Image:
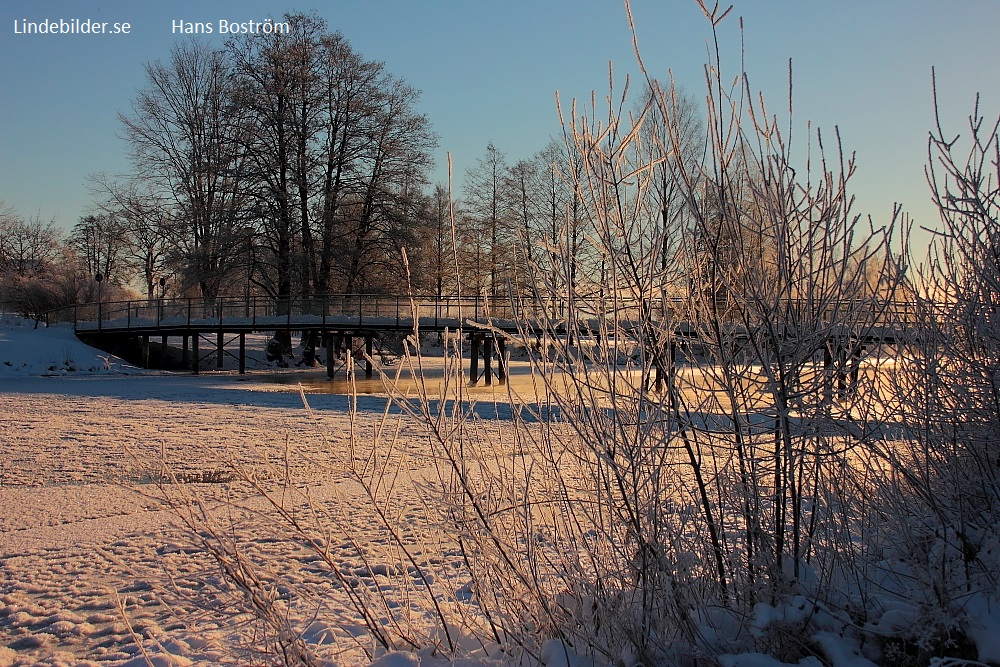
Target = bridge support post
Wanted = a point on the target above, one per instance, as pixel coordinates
(665, 363)
(857, 353)
(219, 350)
(331, 355)
(194, 352)
(476, 340)
(145, 351)
(310, 348)
(243, 354)
(368, 355)
(502, 361)
(488, 358)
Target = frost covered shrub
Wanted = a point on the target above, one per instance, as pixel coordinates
(663, 509)
(944, 486)
(655, 506)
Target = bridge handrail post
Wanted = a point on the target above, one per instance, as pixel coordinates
(189, 313)
(360, 306)
(397, 311)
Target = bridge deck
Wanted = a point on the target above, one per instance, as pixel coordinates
(347, 313)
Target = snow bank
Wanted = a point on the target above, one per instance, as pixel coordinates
(25, 350)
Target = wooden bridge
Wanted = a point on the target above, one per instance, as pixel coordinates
(337, 321)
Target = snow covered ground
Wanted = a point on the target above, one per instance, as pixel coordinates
(91, 563)
(81, 436)
(96, 570)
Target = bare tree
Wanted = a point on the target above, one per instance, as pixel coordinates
(389, 172)
(670, 112)
(27, 246)
(186, 138)
(38, 272)
(487, 206)
(350, 84)
(279, 85)
(338, 154)
(153, 236)
(102, 242)
(439, 271)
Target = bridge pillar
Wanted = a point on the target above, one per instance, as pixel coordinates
(502, 361)
(368, 356)
(219, 350)
(664, 365)
(827, 372)
(194, 351)
(144, 341)
(476, 340)
(856, 355)
(243, 354)
(310, 351)
(835, 370)
(330, 355)
(487, 358)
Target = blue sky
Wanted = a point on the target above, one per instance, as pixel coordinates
(489, 71)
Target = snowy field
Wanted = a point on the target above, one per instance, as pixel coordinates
(92, 565)
(96, 569)
(79, 537)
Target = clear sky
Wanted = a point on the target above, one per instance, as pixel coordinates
(488, 71)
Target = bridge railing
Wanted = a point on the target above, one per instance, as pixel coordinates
(398, 311)
(347, 309)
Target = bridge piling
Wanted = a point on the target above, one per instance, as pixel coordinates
(664, 365)
(487, 359)
(243, 354)
(331, 369)
(502, 361)
(220, 345)
(476, 340)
